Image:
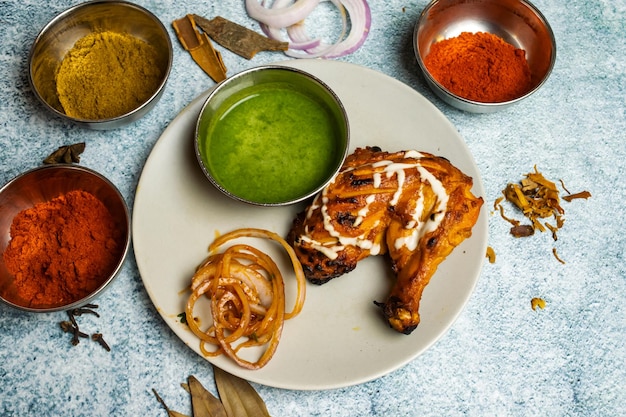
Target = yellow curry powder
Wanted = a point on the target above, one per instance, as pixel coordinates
(107, 74)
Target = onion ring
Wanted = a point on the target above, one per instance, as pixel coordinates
(300, 45)
(283, 16)
(247, 298)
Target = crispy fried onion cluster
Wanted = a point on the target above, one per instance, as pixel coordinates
(247, 298)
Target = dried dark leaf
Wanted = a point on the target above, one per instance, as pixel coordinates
(204, 403)
(236, 38)
(66, 154)
(240, 399)
(170, 413)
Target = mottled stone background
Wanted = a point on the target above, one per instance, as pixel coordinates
(500, 358)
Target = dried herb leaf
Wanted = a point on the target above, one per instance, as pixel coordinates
(582, 194)
(556, 255)
(66, 154)
(240, 399)
(170, 413)
(236, 38)
(204, 403)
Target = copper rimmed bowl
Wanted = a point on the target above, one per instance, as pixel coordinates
(41, 185)
(518, 22)
(61, 33)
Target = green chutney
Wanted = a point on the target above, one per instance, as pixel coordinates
(271, 143)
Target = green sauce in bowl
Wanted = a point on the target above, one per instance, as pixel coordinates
(273, 142)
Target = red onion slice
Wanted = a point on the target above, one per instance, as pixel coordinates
(276, 33)
(300, 44)
(298, 33)
(280, 17)
(361, 21)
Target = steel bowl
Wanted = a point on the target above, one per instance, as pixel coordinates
(43, 184)
(241, 87)
(517, 22)
(60, 35)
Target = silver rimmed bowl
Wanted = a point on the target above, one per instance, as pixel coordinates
(517, 22)
(58, 37)
(271, 136)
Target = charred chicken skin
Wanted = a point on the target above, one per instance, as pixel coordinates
(414, 206)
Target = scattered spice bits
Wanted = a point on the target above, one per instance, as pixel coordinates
(522, 231)
(71, 326)
(97, 337)
(537, 302)
(538, 199)
(480, 67)
(556, 255)
(491, 255)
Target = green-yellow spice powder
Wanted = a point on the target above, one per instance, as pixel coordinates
(107, 74)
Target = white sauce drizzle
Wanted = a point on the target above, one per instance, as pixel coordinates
(414, 229)
(411, 240)
(363, 212)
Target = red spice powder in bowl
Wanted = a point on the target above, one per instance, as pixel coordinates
(483, 55)
(64, 235)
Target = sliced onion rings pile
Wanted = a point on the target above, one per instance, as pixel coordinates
(284, 20)
(247, 296)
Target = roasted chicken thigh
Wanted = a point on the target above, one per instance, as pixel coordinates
(414, 206)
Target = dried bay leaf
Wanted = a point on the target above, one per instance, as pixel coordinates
(170, 413)
(240, 399)
(236, 38)
(203, 403)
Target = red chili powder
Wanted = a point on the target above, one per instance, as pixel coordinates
(63, 249)
(480, 67)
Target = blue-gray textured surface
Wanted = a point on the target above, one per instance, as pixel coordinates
(499, 358)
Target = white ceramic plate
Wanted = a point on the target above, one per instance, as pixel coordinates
(340, 338)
